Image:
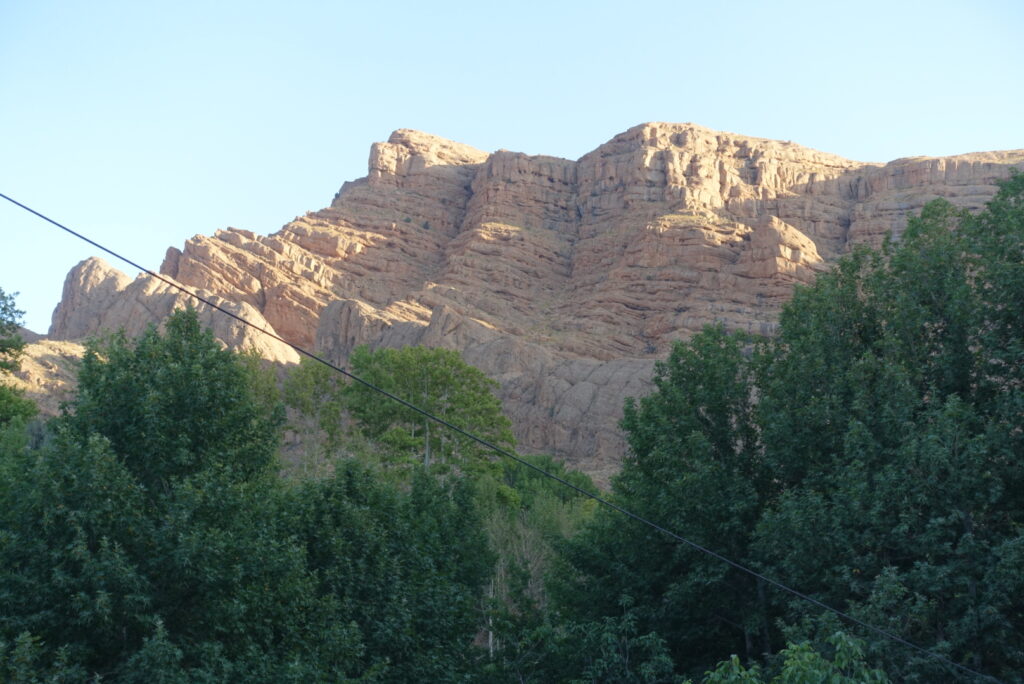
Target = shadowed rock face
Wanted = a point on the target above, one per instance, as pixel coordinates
(563, 280)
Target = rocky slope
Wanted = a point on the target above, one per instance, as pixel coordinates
(562, 279)
(48, 371)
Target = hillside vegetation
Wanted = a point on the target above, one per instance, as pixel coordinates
(870, 455)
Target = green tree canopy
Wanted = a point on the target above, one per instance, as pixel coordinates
(802, 664)
(11, 343)
(435, 380)
(13, 404)
(439, 382)
(870, 455)
(175, 403)
(151, 540)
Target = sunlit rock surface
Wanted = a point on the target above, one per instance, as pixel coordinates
(564, 280)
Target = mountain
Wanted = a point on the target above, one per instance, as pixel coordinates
(564, 280)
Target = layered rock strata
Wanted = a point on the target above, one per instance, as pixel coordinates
(562, 279)
(99, 299)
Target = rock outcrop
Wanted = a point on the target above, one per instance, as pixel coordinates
(48, 372)
(562, 279)
(98, 298)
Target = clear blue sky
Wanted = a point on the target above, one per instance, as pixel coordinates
(144, 123)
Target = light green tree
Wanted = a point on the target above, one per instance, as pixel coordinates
(435, 380)
(439, 382)
(802, 664)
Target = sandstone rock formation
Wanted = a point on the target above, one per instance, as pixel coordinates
(98, 298)
(563, 280)
(48, 372)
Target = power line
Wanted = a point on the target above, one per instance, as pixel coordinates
(508, 454)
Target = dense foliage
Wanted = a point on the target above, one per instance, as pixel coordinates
(871, 455)
(523, 513)
(11, 343)
(151, 539)
(435, 380)
(13, 404)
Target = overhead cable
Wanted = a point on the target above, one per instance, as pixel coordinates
(509, 455)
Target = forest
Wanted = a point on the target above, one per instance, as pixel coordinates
(195, 515)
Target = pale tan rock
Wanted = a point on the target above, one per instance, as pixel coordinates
(132, 306)
(48, 373)
(562, 279)
(90, 289)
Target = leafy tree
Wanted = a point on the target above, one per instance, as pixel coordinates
(611, 650)
(11, 343)
(406, 566)
(607, 650)
(151, 539)
(13, 404)
(801, 664)
(439, 382)
(695, 468)
(870, 455)
(911, 484)
(316, 395)
(144, 542)
(524, 514)
(435, 380)
(527, 517)
(174, 404)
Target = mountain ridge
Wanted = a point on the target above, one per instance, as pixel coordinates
(564, 280)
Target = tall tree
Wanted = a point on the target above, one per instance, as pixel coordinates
(910, 489)
(151, 539)
(439, 382)
(11, 343)
(869, 455)
(694, 467)
(405, 565)
(435, 380)
(13, 404)
(175, 403)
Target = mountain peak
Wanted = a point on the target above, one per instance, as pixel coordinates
(564, 280)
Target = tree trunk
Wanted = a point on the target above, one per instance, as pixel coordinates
(426, 443)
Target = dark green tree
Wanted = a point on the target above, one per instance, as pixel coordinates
(11, 343)
(174, 404)
(145, 542)
(151, 539)
(694, 467)
(13, 404)
(870, 455)
(407, 566)
(910, 486)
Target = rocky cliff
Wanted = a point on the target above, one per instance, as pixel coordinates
(562, 279)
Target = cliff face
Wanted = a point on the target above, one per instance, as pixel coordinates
(563, 280)
(98, 298)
